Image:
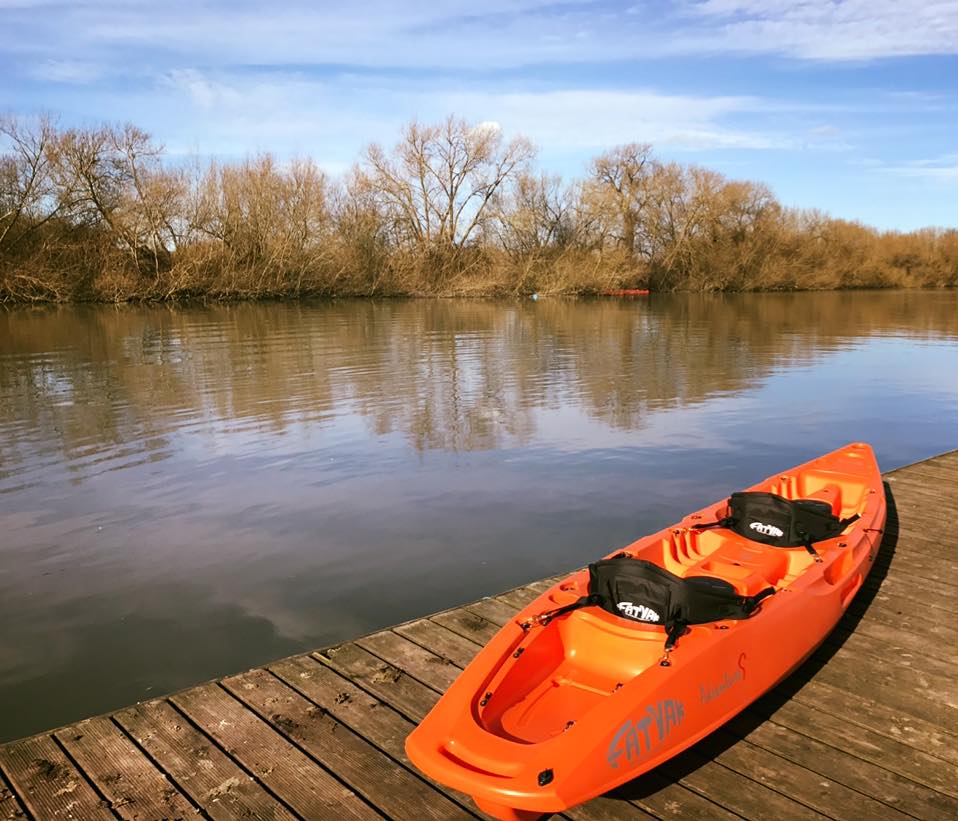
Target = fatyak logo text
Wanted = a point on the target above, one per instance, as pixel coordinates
(644, 734)
(767, 530)
(638, 611)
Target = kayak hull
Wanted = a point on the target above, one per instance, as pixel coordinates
(549, 716)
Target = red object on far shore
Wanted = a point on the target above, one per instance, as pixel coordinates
(627, 292)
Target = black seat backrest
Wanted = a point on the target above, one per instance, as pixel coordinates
(775, 520)
(641, 591)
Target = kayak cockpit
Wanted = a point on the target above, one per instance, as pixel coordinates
(562, 671)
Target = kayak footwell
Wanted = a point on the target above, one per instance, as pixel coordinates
(550, 687)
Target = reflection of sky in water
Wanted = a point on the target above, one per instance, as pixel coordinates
(187, 493)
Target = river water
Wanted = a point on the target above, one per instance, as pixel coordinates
(188, 492)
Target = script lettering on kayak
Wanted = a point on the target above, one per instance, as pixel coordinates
(645, 733)
(727, 682)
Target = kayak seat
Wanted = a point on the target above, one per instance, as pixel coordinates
(776, 521)
(640, 591)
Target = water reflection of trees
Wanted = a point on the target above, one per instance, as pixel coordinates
(101, 383)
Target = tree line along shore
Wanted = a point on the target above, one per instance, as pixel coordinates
(102, 214)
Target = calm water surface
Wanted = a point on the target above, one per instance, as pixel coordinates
(188, 492)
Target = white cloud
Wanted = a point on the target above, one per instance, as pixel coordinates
(591, 119)
(465, 35)
(942, 169)
(334, 119)
(825, 29)
(203, 92)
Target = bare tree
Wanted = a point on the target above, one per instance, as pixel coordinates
(25, 185)
(272, 220)
(538, 215)
(438, 183)
(620, 190)
(113, 179)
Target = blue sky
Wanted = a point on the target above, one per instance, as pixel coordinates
(849, 106)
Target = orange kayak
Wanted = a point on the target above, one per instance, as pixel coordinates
(627, 292)
(573, 698)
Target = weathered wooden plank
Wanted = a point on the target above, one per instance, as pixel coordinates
(734, 791)
(48, 783)
(895, 756)
(468, 624)
(661, 796)
(349, 704)
(903, 582)
(913, 691)
(132, 784)
(383, 782)
(879, 782)
(934, 632)
(606, 809)
(390, 684)
(928, 479)
(912, 543)
(305, 786)
(916, 546)
(439, 640)
(921, 514)
(908, 614)
(203, 771)
(10, 807)
(859, 642)
(431, 669)
(856, 708)
(492, 610)
(902, 641)
(520, 598)
(799, 783)
(928, 593)
(925, 477)
(919, 567)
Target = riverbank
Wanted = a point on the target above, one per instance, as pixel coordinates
(168, 291)
(453, 209)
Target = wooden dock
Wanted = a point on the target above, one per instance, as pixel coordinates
(867, 729)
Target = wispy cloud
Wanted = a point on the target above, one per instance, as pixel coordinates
(942, 169)
(826, 29)
(460, 34)
(594, 118)
(265, 108)
(76, 72)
